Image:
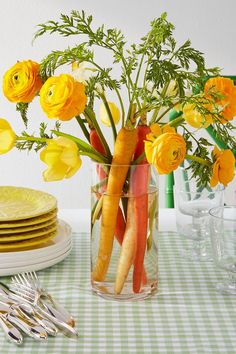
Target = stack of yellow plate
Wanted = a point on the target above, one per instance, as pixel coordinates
(27, 217)
(28, 222)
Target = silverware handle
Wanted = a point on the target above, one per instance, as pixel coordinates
(50, 328)
(35, 331)
(63, 326)
(59, 312)
(11, 332)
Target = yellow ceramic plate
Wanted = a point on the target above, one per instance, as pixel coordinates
(27, 244)
(27, 222)
(17, 230)
(6, 238)
(17, 203)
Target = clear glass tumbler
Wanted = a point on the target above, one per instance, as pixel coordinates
(192, 207)
(223, 239)
(124, 230)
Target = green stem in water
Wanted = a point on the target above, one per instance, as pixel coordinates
(198, 160)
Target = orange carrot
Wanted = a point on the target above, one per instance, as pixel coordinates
(95, 141)
(120, 222)
(139, 182)
(120, 226)
(123, 152)
(128, 249)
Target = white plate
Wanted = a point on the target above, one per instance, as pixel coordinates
(34, 267)
(35, 260)
(57, 243)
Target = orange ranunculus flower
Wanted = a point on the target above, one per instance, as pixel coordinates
(227, 104)
(22, 81)
(62, 157)
(223, 168)
(194, 118)
(62, 97)
(7, 136)
(166, 152)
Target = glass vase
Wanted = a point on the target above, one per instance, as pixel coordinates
(124, 231)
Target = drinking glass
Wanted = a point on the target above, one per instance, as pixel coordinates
(192, 214)
(223, 239)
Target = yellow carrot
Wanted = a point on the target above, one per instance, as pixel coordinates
(128, 249)
(123, 152)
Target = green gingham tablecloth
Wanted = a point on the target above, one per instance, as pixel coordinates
(186, 316)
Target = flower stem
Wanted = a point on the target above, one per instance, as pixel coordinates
(85, 149)
(114, 87)
(176, 122)
(198, 159)
(32, 138)
(113, 127)
(83, 127)
(89, 113)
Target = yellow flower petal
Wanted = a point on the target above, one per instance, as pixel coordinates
(223, 167)
(22, 82)
(7, 137)
(62, 157)
(115, 112)
(62, 97)
(166, 152)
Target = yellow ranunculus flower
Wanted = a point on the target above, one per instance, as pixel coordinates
(7, 136)
(62, 157)
(194, 118)
(22, 81)
(114, 112)
(62, 97)
(166, 152)
(225, 87)
(223, 168)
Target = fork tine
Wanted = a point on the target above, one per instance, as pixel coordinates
(25, 288)
(17, 279)
(34, 279)
(22, 295)
(26, 279)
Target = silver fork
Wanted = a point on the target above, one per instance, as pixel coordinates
(24, 288)
(31, 280)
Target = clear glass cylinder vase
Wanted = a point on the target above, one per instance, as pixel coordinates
(124, 231)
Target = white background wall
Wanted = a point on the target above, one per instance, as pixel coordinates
(209, 24)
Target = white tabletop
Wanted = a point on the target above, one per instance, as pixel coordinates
(79, 219)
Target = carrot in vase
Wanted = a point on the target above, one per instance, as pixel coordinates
(123, 152)
(120, 223)
(139, 185)
(128, 248)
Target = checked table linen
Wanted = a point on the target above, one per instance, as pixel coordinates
(187, 315)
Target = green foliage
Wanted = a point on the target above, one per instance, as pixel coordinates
(29, 142)
(23, 108)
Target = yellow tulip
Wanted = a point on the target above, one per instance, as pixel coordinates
(114, 112)
(22, 81)
(223, 168)
(62, 97)
(166, 152)
(7, 136)
(62, 157)
(194, 118)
